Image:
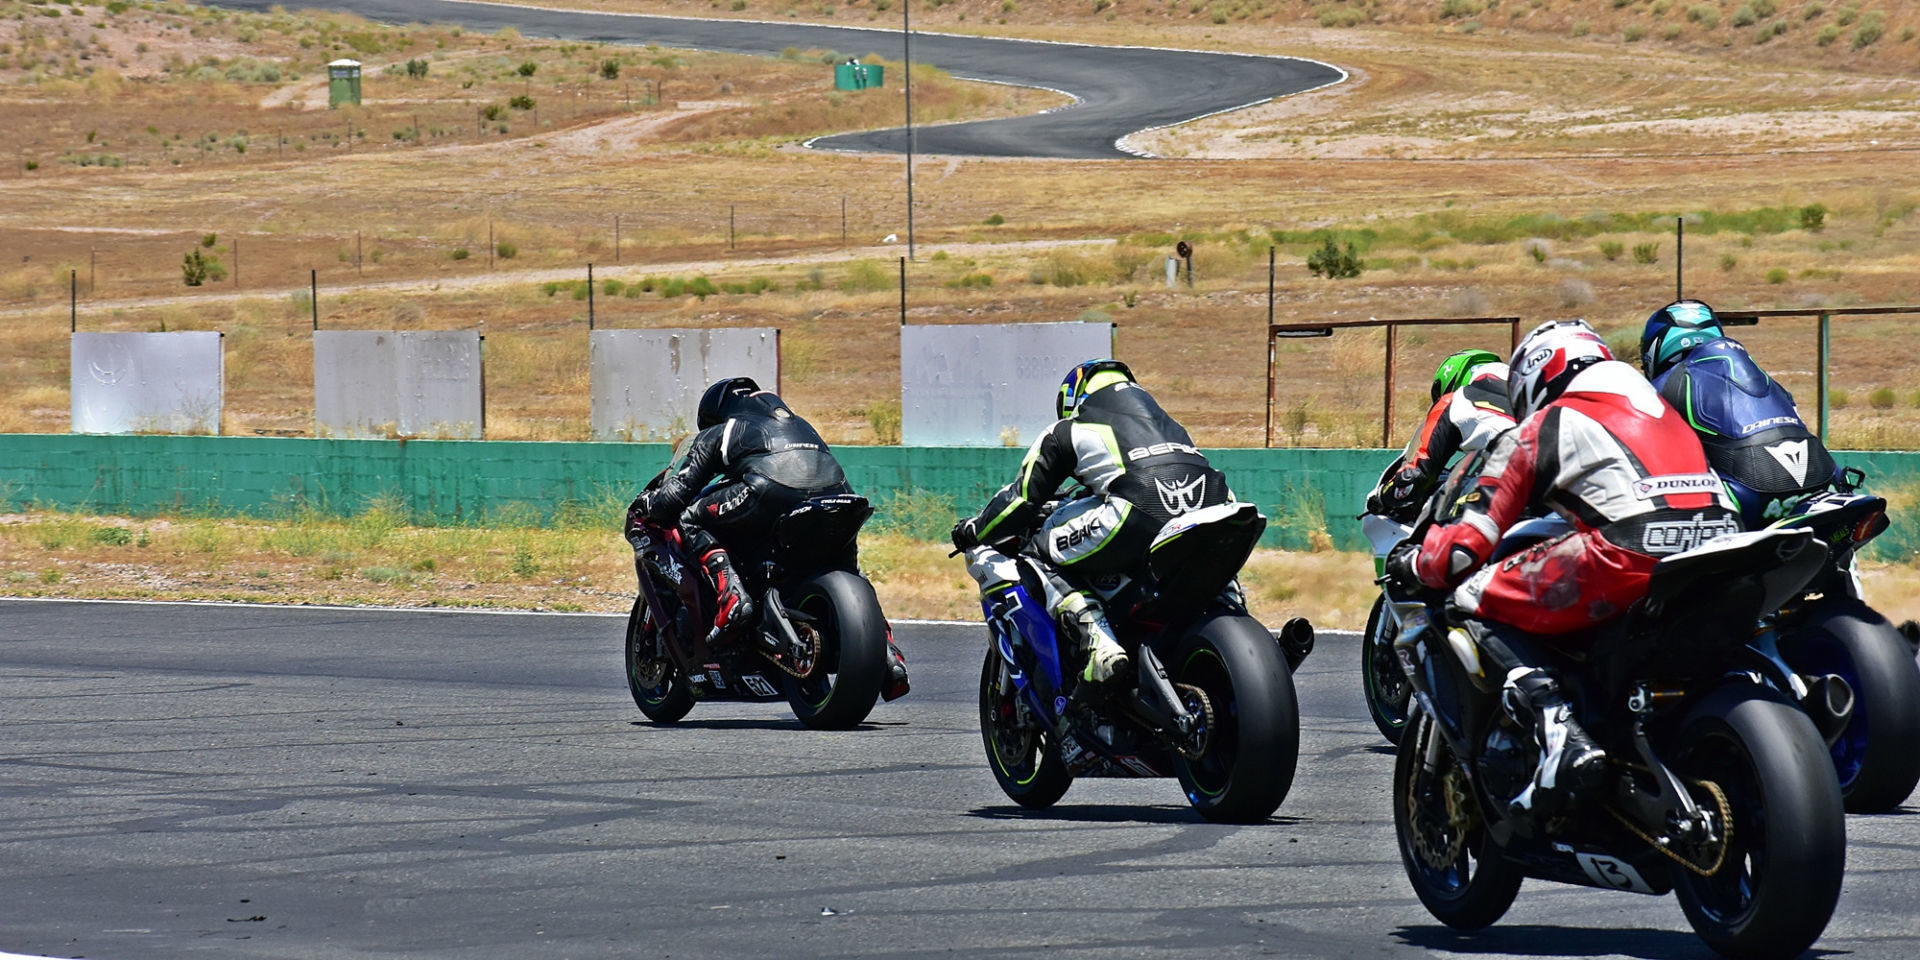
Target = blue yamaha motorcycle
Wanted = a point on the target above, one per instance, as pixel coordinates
(1211, 702)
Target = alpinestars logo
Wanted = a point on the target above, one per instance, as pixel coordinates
(1792, 455)
(1183, 496)
(1679, 536)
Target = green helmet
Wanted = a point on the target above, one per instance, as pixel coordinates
(1454, 370)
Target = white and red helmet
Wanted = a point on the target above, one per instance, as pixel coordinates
(1548, 359)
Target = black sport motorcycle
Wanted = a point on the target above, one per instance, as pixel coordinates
(1211, 701)
(1717, 788)
(1828, 630)
(819, 642)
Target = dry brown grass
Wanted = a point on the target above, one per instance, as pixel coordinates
(1440, 132)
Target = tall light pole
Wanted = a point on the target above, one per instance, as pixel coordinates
(906, 33)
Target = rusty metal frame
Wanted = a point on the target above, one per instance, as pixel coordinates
(1275, 331)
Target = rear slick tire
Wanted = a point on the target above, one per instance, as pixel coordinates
(670, 699)
(1476, 887)
(1877, 756)
(1247, 767)
(1775, 892)
(853, 654)
(1023, 757)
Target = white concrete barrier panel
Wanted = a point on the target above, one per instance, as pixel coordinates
(148, 382)
(988, 385)
(647, 383)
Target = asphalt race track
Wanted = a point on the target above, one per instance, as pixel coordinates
(1122, 90)
(195, 780)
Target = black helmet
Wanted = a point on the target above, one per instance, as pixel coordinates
(717, 404)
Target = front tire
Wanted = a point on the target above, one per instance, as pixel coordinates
(1455, 868)
(853, 651)
(658, 688)
(1877, 756)
(1245, 769)
(1022, 755)
(1776, 889)
(1382, 682)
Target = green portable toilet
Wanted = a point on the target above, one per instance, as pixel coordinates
(854, 75)
(343, 83)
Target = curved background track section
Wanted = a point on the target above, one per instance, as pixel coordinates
(1122, 90)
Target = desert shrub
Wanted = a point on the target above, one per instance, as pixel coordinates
(1813, 218)
(702, 287)
(1331, 15)
(1644, 253)
(1455, 9)
(1745, 16)
(883, 418)
(1612, 249)
(492, 112)
(1872, 27)
(995, 220)
(1332, 262)
(968, 280)
(1704, 14)
(111, 536)
(417, 69)
(1765, 8)
(1671, 31)
(1812, 10)
(520, 102)
(528, 68)
(1633, 33)
(459, 253)
(1776, 276)
(193, 268)
(1581, 28)
(1728, 261)
(1838, 398)
(612, 287)
(1881, 399)
(609, 69)
(506, 251)
(672, 287)
(1827, 35)
(866, 276)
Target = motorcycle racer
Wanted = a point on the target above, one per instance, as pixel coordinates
(1469, 409)
(1596, 445)
(753, 460)
(1140, 469)
(1752, 432)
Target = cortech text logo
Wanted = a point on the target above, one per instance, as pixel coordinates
(1678, 536)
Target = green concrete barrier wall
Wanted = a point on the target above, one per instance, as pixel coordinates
(1311, 496)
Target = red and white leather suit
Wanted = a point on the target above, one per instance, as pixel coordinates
(1614, 460)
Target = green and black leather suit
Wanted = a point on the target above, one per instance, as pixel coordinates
(1140, 469)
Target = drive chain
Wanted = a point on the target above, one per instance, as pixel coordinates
(1726, 834)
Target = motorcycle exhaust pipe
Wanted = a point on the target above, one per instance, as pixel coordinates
(1829, 705)
(1296, 641)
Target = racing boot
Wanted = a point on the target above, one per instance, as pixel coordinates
(1570, 762)
(1106, 658)
(730, 596)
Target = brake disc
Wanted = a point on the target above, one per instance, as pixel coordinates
(1439, 845)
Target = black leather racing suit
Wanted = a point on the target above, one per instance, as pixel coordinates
(770, 460)
(1139, 466)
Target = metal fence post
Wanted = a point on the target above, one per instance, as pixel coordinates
(313, 295)
(903, 291)
(589, 298)
(1824, 324)
(1386, 420)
